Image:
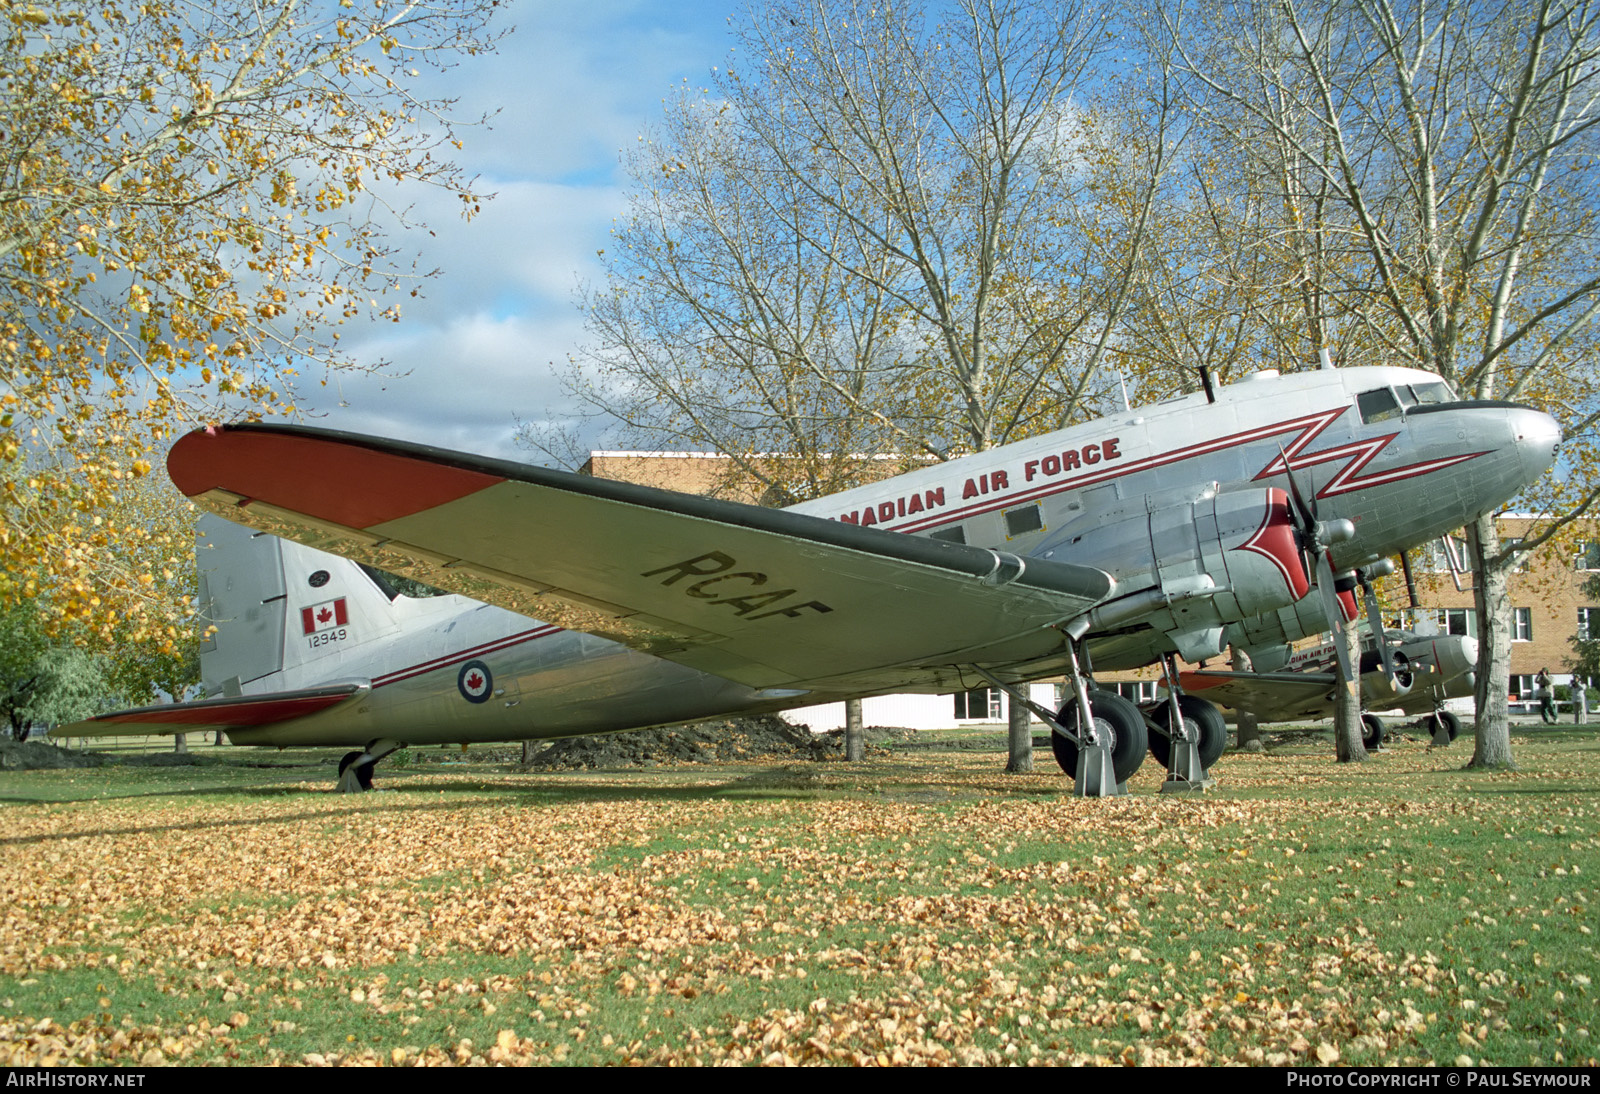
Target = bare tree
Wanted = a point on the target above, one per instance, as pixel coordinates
(879, 233)
(1446, 149)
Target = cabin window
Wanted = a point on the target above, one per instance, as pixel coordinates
(1433, 394)
(950, 533)
(1022, 520)
(1377, 405)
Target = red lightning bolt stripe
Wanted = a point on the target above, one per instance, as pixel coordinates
(1357, 455)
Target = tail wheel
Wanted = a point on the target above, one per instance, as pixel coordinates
(1116, 717)
(1372, 731)
(1197, 714)
(363, 773)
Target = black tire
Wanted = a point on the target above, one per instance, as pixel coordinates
(1372, 731)
(1452, 724)
(1213, 728)
(1111, 712)
(363, 772)
(1204, 716)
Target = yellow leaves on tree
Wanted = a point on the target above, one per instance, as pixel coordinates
(178, 231)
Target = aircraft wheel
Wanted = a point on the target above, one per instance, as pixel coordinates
(1199, 714)
(1451, 723)
(1372, 731)
(363, 773)
(1113, 713)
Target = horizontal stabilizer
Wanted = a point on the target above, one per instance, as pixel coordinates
(236, 712)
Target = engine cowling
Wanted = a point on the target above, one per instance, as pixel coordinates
(1193, 567)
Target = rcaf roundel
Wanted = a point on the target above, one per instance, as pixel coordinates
(475, 682)
(320, 617)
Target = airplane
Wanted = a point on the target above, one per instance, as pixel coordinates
(1427, 670)
(1223, 518)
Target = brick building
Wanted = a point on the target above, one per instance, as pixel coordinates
(1548, 604)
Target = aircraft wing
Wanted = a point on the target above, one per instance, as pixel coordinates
(768, 598)
(237, 712)
(1270, 696)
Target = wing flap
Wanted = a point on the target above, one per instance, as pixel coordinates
(234, 712)
(766, 597)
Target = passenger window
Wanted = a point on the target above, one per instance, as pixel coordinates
(950, 533)
(1377, 405)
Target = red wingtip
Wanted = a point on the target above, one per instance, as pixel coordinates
(322, 477)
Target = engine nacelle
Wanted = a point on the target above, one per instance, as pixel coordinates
(1192, 568)
(1376, 685)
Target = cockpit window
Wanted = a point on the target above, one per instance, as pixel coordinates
(1377, 405)
(1437, 392)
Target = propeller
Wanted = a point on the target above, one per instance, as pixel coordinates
(1315, 538)
(1382, 568)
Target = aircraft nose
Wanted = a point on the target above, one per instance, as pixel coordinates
(1537, 435)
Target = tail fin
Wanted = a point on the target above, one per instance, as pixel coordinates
(280, 614)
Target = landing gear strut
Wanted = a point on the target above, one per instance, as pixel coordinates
(1098, 737)
(1187, 736)
(355, 770)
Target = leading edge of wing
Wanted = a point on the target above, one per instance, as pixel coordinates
(280, 465)
(764, 597)
(232, 712)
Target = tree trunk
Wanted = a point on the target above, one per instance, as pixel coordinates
(1019, 736)
(1347, 728)
(180, 742)
(1491, 598)
(854, 743)
(527, 752)
(1249, 728)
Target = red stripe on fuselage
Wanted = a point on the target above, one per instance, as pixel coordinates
(452, 659)
(329, 480)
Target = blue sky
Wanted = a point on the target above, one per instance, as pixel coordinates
(574, 85)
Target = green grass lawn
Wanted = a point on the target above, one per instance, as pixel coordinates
(921, 906)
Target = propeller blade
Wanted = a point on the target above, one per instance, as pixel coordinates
(1334, 612)
(1375, 621)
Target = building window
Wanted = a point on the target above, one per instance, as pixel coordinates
(1435, 556)
(979, 704)
(1514, 543)
(1589, 556)
(1444, 620)
(1588, 623)
(1521, 687)
(1522, 624)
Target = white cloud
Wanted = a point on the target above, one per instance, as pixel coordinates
(573, 86)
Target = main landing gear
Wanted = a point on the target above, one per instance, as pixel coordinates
(1372, 731)
(355, 770)
(1443, 726)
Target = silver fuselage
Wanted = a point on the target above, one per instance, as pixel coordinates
(1110, 494)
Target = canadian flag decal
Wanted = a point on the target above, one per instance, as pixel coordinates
(320, 617)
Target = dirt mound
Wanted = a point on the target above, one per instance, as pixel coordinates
(43, 756)
(758, 737)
